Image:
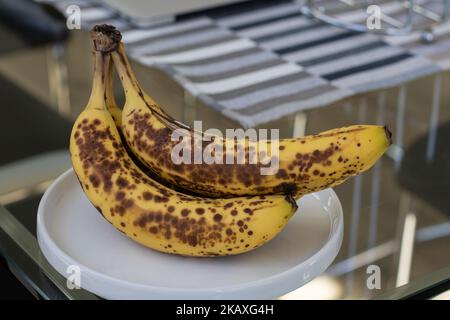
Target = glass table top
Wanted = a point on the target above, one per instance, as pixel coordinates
(397, 215)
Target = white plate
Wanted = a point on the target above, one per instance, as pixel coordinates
(72, 233)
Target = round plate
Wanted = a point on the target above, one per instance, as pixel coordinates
(72, 233)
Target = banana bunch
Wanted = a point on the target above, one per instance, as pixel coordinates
(151, 213)
(224, 209)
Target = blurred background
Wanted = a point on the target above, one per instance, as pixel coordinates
(397, 215)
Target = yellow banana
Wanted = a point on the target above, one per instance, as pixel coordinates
(152, 214)
(305, 165)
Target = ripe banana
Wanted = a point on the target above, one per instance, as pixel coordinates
(306, 164)
(152, 214)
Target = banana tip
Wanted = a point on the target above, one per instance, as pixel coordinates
(388, 134)
(291, 200)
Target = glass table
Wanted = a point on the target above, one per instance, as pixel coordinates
(397, 219)
(20, 248)
(397, 215)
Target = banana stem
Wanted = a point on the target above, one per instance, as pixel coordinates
(110, 99)
(130, 84)
(107, 39)
(132, 88)
(98, 93)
